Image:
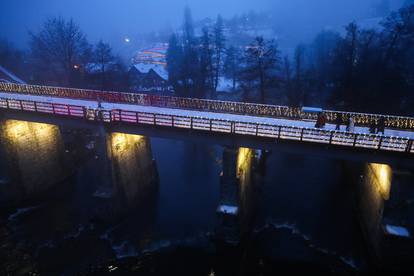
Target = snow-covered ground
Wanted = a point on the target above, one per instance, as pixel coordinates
(225, 85)
(194, 113)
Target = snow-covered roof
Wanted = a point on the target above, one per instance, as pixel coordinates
(397, 231)
(311, 109)
(97, 67)
(227, 209)
(144, 68)
(10, 76)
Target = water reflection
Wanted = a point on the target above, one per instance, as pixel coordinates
(304, 204)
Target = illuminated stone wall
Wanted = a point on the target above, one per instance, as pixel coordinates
(372, 192)
(134, 174)
(238, 188)
(245, 162)
(35, 156)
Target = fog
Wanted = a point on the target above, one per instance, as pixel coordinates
(113, 20)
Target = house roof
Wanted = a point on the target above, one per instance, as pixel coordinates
(145, 68)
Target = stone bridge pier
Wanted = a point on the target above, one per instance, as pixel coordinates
(238, 182)
(127, 171)
(383, 200)
(32, 159)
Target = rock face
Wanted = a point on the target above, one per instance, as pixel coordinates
(35, 157)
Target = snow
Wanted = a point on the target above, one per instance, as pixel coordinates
(397, 231)
(97, 67)
(225, 85)
(203, 114)
(227, 209)
(12, 76)
(157, 68)
(311, 109)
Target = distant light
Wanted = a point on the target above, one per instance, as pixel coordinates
(127, 40)
(76, 66)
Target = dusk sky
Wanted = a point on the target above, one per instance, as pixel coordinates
(115, 19)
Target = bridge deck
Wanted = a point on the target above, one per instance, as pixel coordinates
(203, 114)
(288, 129)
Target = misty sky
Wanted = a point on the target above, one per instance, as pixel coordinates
(115, 19)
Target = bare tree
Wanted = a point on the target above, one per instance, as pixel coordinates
(60, 49)
(261, 64)
(103, 59)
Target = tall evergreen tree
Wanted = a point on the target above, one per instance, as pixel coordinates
(206, 77)
(103, 58)
(190, 60)
(299, 73)
(231, 65)
(174, 63)
(219, 48)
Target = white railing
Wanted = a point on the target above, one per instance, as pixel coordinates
(279, 132)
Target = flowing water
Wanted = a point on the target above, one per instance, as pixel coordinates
(304, 220)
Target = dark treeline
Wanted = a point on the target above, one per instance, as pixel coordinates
(363, 70)
(60, 54)
(368, 70)
(197, 65)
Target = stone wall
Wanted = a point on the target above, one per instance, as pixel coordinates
(372, 191)
(34, 155)
(133, 170)
(238, 191)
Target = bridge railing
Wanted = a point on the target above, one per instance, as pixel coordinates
(280, 132)
(339, 138)
(361, 119)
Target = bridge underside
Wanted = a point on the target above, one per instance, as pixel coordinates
(233, 140)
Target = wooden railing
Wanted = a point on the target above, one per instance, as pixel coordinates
(361, 119)
(279, 132)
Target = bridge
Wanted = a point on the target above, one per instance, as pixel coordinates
(279, 123)
(194, 118)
